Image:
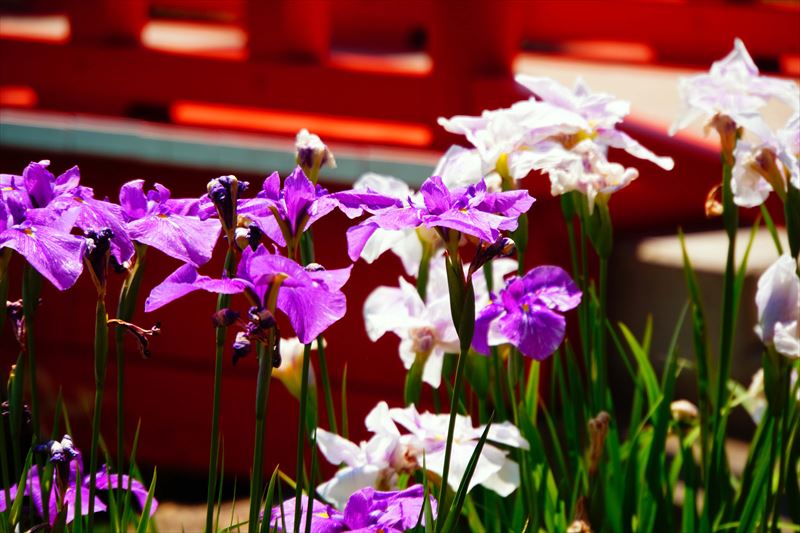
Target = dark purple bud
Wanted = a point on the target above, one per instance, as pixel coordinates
(248, 236)
(502, 247)
(224, 193)
(224, 318)
(97, 253)
(241, 346)
(261, 318)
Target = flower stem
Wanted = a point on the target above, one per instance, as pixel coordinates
(31, 286)
(125, 308)
(424, 270)
(100, 363)
(262, 394)
(223, 300)
(301, 435)
(730, 217)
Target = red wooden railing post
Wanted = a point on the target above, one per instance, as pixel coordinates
(473, 44)
(289, 30)
(107, 21)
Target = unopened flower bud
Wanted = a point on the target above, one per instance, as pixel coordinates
(241, 346)
(502, 247)
(312, 154)
(713, 205)
(728, 135)
(289, 370)
(684, 412)
(579, 526)
(598, 429)
(224, 193)
(98, 247)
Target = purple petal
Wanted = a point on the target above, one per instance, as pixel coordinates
(333, 280)
(436, 196)
(472, 222)
(185, 280)
(553, 287)
(132, 199)
(188, 239)
(68, 181)
(357, 237)
(480, 340)
(271, 188)
(56, 255)
(357, 509)
(537, 333)
(69, 501)
(39, 183)
(106, 479)
(298, 194)
(353, 203)
(97, 214)
(509, 203)
(311, 310)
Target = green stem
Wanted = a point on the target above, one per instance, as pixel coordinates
(785, 385)
(424, 270)
(262, 394)
(31, 285)
(449, 445)
(125, 309)
(223, 300)
(773, 232)
(301, 435)
(100, 363)
(326, 385)
(730, 218)
(601, 333)
(4, 470)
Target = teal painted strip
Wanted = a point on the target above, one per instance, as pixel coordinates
(165, 150)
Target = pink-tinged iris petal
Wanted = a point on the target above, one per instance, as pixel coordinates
(56, 255)
(186, 280)
(186, 238)
(357, 237)
(70, 501)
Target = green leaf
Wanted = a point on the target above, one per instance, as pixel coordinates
(646, 371)
(269, 501)
(455, 510)
(143, 523)
(16, 507)
(413, 383)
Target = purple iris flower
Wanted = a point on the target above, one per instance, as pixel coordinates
(284, 213)
(167, 224)
(367, 510)
(471, 210)
(527, 313)
(311, 297)
(37, 232)
(66, 483)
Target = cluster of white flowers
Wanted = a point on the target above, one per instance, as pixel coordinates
(732, 96)
(400, 439)
(564, 133)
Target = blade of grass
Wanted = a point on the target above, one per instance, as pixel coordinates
(145, 521)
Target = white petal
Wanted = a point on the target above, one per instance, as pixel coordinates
(346, 481)
(337, 450)
(504, 481)
(379, 421)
